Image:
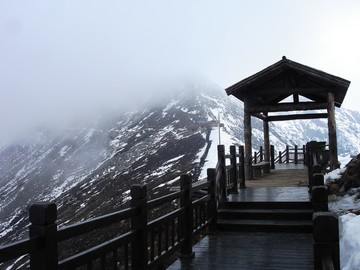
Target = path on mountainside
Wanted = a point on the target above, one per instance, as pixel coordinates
(281, 178)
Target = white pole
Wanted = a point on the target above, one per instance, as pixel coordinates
(219, 127)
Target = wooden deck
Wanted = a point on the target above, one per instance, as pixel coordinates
(225, 250)
(257, 250)
(284, 175)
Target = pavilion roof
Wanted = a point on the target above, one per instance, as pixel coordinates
(285, 78)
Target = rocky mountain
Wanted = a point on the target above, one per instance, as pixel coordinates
(88, 169)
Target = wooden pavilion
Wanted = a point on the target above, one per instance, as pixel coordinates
(270, 90)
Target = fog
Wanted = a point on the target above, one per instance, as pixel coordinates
(60, 60)
(70, 59)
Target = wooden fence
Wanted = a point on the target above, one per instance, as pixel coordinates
(291, 154)
(149, 243)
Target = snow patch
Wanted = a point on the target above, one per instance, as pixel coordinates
(64, 150)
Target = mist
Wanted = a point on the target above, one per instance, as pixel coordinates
(69, 60)
(62, 60)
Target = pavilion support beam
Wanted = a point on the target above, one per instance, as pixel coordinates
(282, 107)
(332, 131)
(247, 139)
(260, 116)
(266, 139)
(297, 117)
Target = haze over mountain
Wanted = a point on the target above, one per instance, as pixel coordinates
(88, 168)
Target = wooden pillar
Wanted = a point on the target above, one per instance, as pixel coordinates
(242, 167)
(247, 139)
(266, 139)
(287, 154)
(223, 178)
(187, 220)
(43, 225)
(326, 240)
(234, 170)
(296, 155)
(212, 204)
(332, 131)
(139, 244)
(272, 157)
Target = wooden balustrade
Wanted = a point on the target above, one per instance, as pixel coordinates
(293, 154)
(149, 242)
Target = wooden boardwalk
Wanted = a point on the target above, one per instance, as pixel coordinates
(257, 250)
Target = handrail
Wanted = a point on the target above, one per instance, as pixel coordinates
(83, 257)
(18, 249)
(164, 199)
(80, 228)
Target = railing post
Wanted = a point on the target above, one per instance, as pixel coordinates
(139, 246)
(280, 157)
(212, 204)
(234, 170)
(296, 155)
(43, 217)
(318, 179)
(242, 166)
(315, 169)
(272, 157)
(326, 239)
(261, 154)
(319, 198)
(221, 159)
(187, 220)
(287, 154)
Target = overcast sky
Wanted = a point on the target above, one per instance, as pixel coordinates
(62, 58)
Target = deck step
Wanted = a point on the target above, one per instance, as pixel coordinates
(267, 214)
(250, 225)
(264, 205)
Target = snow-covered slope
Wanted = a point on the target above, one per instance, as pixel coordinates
(89, 170)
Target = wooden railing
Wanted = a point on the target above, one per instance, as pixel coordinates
(291, 154)
(229, 170)
(150, 239)
(325, 223)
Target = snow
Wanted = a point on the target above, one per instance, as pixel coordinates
(349, 241)
(349, 225)
(89, 134)
(225, 139)
(64, 150)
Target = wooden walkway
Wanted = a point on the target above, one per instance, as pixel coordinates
(257, 250)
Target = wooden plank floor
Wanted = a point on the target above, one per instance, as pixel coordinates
(284, 175)
(225, 250)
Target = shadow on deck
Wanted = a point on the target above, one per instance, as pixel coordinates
(253, 250)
